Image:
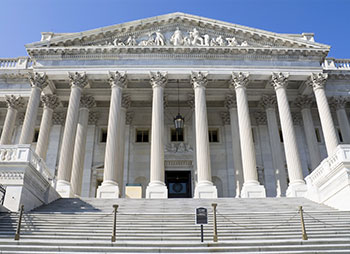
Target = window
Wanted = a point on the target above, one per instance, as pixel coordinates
(103, 135)
(36, 135)
(318, 136)
(213, 135)
(142, 136)
(177, 136)
(340, 136)
(281, 135)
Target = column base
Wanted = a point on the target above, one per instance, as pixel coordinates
(253, 190)
(205, 190)
(156, 190)
(298, 189)
(64, 189)
(108, 189)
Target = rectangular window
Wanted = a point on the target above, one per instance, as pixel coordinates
(177, 135)
(103, 135)
(213, 135)
(36, 135)
(281, 135)
(318, 136)
(142, 136)
(340, 136)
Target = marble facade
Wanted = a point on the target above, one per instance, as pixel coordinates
(262, 110)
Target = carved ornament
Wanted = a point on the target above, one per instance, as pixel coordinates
(239, 80)
(303, 101)
(50, 101)
(126, 101)
(317, 80)
(225, 117)
(87, 101)
(14, 102)
(78, 79)
(117, 79)
(158, 79)
(230, 102)
(268, 101)
(338, 102)
(279, 79)
(39, 80)
(199, 79)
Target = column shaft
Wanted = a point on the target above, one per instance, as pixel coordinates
(30, 117)
(9, 125)
(344, 124)
(79, 151)
(311, 141)
(44, 133)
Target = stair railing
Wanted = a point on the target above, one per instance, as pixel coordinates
(115, 207)
(215, 229)
(18, 229)
(303, 230)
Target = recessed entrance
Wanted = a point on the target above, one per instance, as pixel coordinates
(179, 184)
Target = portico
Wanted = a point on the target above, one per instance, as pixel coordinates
(220, 77)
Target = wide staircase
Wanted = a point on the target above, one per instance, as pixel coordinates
(271, 225)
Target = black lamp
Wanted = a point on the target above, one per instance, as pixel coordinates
(178, 120)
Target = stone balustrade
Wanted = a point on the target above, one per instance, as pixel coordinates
(329, 183)
(12, 154)
(16, 63)
(336, 64)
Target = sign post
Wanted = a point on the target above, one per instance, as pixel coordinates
(201, 219)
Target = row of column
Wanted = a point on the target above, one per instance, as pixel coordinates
(71, 156)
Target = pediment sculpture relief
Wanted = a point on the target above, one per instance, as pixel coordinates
(177, 38)
(178, 148)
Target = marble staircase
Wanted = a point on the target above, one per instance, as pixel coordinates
(269, 225)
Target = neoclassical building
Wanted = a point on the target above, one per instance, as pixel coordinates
(256, 111)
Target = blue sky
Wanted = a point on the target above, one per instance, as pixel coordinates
(22, 21)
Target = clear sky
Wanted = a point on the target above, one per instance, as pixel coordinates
(22, 21)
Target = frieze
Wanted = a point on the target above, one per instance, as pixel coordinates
(178, 148)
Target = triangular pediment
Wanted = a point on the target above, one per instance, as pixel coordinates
(177, 30)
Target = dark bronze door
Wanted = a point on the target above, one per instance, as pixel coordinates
(179, 184)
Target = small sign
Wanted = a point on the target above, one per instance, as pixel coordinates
(201, 216)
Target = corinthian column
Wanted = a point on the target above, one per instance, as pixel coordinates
(77, 81)
(156, 188)
(38, 82)
(86, 102)
(318, 81)
(338, 103)
(231, 104)
(114, 149)
(251, 187)
(297, 185)
(269, 103)
(50, 102)
(13, 104)
(204, 187)
(304, 103)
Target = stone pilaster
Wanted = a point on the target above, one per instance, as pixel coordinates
(13, 104)
(317, 81)
(231, 105)
(109, 187)
(338, 103)
(269, 103)
(38, 82)
(304, 103)
(156, 187)
(251, 187)
(77, 81)
(204, 187)
(50, 102)
(297, 185)
(86, 103)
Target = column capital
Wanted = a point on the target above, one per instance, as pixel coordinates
(87, 101)
(58, 118)
(50, 101)
(297, 120)
(93, 118)
(158, 79)
(129, 117)
(117, 79)
(239, 80)
(279, 79)
(303, 101)
(337, 102)
(78, 79)
(230, 101)
(14, 102)
(225, 117)
(268, 101)
(199, 79)
(317, 80)
(260, 118)
(39, 80)
(126, 101)
(190, 101)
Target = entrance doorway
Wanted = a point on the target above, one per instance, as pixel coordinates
(178, 184)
